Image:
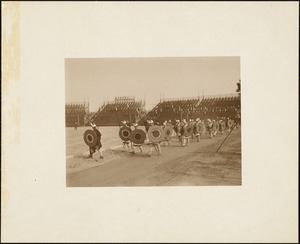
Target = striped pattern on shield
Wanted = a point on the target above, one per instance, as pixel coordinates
(125, 133)
(155, 133)
(90, 138)
(138, 136)
(168, 131)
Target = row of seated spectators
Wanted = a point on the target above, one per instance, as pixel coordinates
(225, 101)
(171, 109)
(174, 106)
(208, 108)
(113, 113)
(111, 118)
(123, 106)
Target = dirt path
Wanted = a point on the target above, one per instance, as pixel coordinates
(195, 165)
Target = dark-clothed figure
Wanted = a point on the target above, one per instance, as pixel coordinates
(126, 143)
(98, 146)
(209, 127)
(166, 140)
(155, 145)
(185, 141)
(197, 129)
(134, 144)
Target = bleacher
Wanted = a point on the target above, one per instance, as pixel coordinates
(112, 113)
(209, 107)
(219, 107)
(75, 114)
(171, 110)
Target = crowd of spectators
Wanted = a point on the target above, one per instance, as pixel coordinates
(114, 112)
(194, 108)
(171, 110)
(218, 107)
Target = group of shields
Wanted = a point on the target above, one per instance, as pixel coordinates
(156, 134)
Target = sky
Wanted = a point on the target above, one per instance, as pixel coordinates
(102, 79)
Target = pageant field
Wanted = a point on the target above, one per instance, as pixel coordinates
(196, 165)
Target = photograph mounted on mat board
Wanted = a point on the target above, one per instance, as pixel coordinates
(162, 121)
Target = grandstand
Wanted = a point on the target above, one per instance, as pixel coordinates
(191, 108)
(127, 108)
(171, 110)
(122, 108)
(218, 107)
(76, 114)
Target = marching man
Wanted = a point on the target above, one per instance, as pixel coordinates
(185, 139)
(177, 129)
(125, 143)
(197, 129)
(221, 126)
(215, 127)
(194, 131)
(227, 124)
(98, 146)
(155, 145)
(134, 144)
(210, 127)
(166, 139)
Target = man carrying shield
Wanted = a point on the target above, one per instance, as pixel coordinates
(155, 145)
(126, 143)
(197, 129)
(210, 127)
(177, 129)
(167, 138)
(185, 138)
(136, 144)
(98, 145)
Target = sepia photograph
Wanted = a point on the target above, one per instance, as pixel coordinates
(153, 121)
(149, 122)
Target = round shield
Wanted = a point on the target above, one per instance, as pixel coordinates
(188, 130)
(90, 138)
(124, 133)
(230, 123)
(155, 133)
(138, 136)
(222, 126)
(168, 131)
